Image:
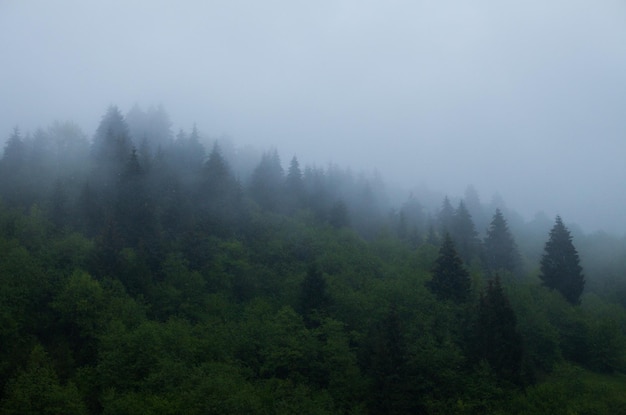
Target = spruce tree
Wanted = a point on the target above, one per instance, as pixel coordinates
(314, 299)
(450, 281)
(560, 265)
(500, 250)
(266, 183)
(445, 216)
(464, 234)
(294, 187)
(496, 339)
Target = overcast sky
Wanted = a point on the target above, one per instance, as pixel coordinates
(524, 98)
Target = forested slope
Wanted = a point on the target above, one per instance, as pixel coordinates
(146, 273)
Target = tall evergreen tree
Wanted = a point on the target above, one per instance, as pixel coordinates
(445, 217)
(464, 234)
(112, 142)
(450, 281)
(392, 390)
(496, 339)
(294, 186)
(219, 200)
(134, 211)
(13, 170)
(475, 207)
(560, 265)
(500, 250)
(266, 183)
(15, 150)
(314, 299)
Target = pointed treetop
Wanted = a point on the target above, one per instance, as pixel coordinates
(560, 264)
(450, 281)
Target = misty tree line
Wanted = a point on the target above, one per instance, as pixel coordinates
(153, 273)
(136, 177)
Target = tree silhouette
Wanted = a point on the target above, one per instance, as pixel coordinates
(445, 217)
(500, 250)
(266, 183)
(496, 339)
(464, 234)
(450, 279)
(560, 265)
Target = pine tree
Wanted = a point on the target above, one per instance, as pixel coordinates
(464, 234)
(500, 250)
(388, 364)
(314, 299)
(112, 142)
(496, 339)
(266, 183)
(445, 217)
(219, 198)
(560, 265)
(14, 171)
(450, 281)
(294, 187)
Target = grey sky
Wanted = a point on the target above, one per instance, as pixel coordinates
(525, 98)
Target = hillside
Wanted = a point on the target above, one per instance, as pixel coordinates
(142, 272)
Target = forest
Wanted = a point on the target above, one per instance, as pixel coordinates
(144, 271)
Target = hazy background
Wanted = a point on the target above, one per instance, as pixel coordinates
(524, 98)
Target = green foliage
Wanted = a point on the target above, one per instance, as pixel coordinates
(151, 281)
(37, 390)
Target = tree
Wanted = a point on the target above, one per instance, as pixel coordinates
(450, 281)
(14, 151)
(475, 207)
(338, 215)
(560, 265)
(112, 142)
(14, 171)
(134, 214)
(500, 250)
(388, 363)
(294, 186)
(219, 198)
(314, 299)
(496, 339)
(464, 233)
(445, 217)
(266, 183)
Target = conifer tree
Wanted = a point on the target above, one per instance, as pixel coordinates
(500, 250)
(294, 186)
(112, 142)
(313, 296)
(219, 198)
(445, 217)
(266, 183)
(388, 360)
(464, 234)
(560, 265)
(450, 281)
(496, 338)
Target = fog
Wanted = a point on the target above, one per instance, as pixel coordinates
(524, 99)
